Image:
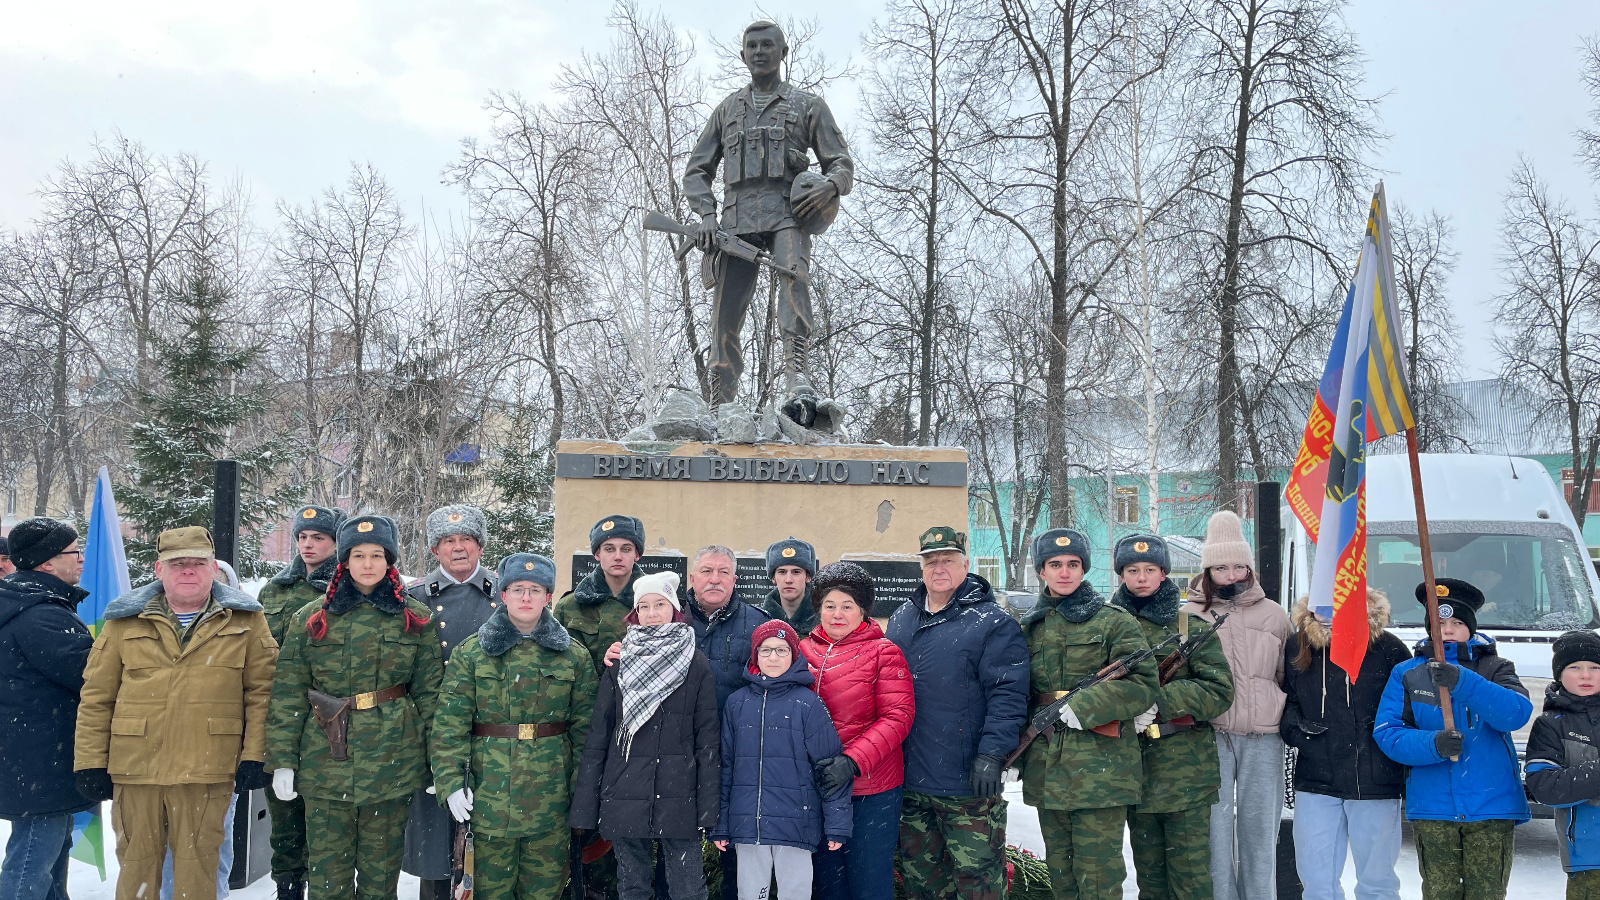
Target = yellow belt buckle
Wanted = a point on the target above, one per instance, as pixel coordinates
(367, 701)
(1153, 731)
(525, 732)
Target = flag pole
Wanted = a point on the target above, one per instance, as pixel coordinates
(1430, 595)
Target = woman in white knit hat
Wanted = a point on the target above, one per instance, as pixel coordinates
(1244, 822)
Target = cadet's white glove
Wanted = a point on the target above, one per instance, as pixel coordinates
(460, 803)
(283, 784)
(1010, 775)
(430, 790)
(1144, 719)
(1070, 718)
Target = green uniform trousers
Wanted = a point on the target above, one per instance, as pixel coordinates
(1584, 885)
(1172, 853)
(1083, 851)
(346, 839)
(520, 868)
(1464, 860)
(952, 847)
(288, 837)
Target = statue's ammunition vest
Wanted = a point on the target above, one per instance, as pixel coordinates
(758, 145)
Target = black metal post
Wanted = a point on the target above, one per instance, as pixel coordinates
(225, 511)
(1269, 539)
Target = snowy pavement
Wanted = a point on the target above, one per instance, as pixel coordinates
(1536, 875)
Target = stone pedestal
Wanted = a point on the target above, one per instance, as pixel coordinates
(853, 500)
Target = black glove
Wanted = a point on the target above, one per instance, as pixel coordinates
(250, 776)
(1312, 729)
(986, 776)
(93, 784)
(834, 773)
(1448, 743)
(1444, 675)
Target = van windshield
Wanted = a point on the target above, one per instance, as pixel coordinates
(1534, 580)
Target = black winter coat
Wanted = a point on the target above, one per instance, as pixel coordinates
(725, 640)
(1330, 720)
(43, 649)
(670, 784)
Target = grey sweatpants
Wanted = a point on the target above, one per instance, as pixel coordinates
(1244, 820)
(759, 862)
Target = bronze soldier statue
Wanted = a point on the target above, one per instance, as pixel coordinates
(760, 135)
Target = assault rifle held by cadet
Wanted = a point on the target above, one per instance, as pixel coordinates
(1047, 721)
(1169, 668)
(722, 242)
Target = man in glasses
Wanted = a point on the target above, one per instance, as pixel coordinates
(173, 716)
(969, 671)
(43, 648)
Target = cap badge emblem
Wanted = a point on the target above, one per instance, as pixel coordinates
(528, 566)
(364, 527)
(1141, 547)
(1063, 541)
(454, 517)
(788, 552)
(1446, 611)
(607, 525)
(1440, 590)
(308, 513)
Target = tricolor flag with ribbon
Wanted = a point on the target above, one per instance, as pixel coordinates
(1364, 395)
(105, 577)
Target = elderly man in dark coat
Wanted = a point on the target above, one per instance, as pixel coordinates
(43, 649)
(461, 596)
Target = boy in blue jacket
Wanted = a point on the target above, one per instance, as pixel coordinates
(1462, 812)
(774, 732)
(1564, 758)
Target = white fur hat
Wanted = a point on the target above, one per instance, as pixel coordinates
(664, 584)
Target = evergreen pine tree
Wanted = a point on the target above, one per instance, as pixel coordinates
(522, 478)
(187, 422)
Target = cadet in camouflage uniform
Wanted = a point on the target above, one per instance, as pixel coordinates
(516, 702)
(314, 530)
(1082, 781)
(796, 562)
(1170, 828)
(460, 596)
(760, 136)
(366, 642)
(592, 612)
(595, 607)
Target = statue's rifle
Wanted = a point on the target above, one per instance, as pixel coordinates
(722, 241)
(1047, 720)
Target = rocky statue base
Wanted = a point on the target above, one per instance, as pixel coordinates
(684, 416)
(859, 500)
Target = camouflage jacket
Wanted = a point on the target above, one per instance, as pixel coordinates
(365, 649)
(284, 593)
(593, 616)
(1069, 638)
(761, 150)
(521, 788)
(1180, 770)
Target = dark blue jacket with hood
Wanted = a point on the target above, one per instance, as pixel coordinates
(774, 732)
(43, 649)
(1564, 772)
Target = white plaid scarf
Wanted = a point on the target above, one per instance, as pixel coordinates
(655, 660)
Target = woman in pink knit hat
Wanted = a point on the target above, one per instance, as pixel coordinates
(1244, 821)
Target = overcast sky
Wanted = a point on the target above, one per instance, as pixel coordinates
(286, 93)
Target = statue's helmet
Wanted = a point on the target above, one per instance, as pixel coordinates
(817, 222)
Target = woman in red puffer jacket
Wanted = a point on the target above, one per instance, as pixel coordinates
(863, 680)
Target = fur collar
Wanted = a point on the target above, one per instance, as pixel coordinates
(296, 571)
(133, 602)
(592, 589)
(1160, 608)
(1318, 635)
(1078, 606)
(346, 597)
(498, 635)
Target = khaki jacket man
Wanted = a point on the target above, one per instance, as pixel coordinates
(173, 716)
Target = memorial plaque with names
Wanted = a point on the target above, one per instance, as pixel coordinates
(583, 564)
(893, 582)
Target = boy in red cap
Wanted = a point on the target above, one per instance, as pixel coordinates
(774, 732)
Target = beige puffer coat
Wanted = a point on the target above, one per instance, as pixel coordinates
(1252, 640)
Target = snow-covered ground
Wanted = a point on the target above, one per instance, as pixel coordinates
(1537, 874)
